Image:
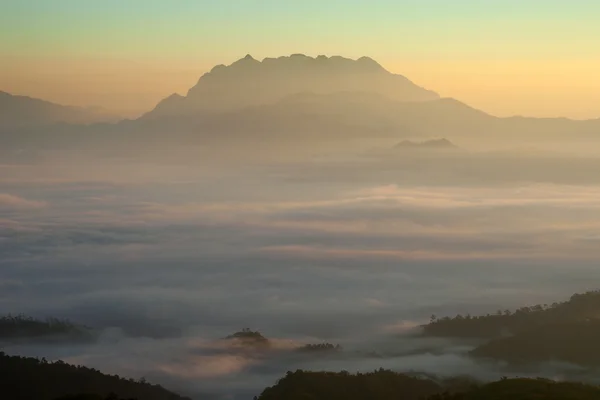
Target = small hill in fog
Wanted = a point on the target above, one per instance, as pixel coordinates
(248, 337)
(435, 144)
(249, 82)
(320, 348)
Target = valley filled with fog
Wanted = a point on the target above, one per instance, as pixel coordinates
(167, 259)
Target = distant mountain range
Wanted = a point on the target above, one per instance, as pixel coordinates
(326, 98)
(23, 111)
(286, 98)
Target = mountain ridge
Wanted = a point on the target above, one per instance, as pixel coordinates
(23, 111)
(248, 81)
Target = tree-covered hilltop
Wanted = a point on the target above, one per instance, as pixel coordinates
(378, 385)
(319, 348)
(526, 389)
(22, 327)
(249, 337)
(29, 378)
(573, 342)
(579, 308)
(388, 385)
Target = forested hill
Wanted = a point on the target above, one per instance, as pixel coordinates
(572, 342)
(20, 327)
(24, 378)
(387, 385)
(579, 308)
(526, 389)
(378, 385)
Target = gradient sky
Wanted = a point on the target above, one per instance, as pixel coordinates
(528, 57)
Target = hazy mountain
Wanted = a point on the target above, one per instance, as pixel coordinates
(23, 111)
(295, 100)
(283, 97)
(363, 114)
(249, 82)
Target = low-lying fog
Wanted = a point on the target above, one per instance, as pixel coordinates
(167, 258)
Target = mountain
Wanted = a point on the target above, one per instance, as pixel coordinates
(249, 82)
(23, 111)
(335, 97)
(295, 102)
(434, 144)
(338, 115)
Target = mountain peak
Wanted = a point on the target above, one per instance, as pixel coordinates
(250, 82)
(370, 63)
(334, 62)
(247, 60)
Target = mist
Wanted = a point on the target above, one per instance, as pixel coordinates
(165, 259)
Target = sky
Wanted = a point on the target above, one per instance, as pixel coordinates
(507, 57)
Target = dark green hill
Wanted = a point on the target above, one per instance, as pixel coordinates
(388, 385)
(579, 308)
(379, 385)
(575, 342)
(21, 327)
(32, 379)
(527, 389)
(248, 337)
(320, 348)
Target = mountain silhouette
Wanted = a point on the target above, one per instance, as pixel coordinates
(23, 111)
(297, 100)
(249, 82)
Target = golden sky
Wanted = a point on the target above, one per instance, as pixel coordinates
(509, 57)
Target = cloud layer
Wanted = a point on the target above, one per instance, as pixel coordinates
(165, 267)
